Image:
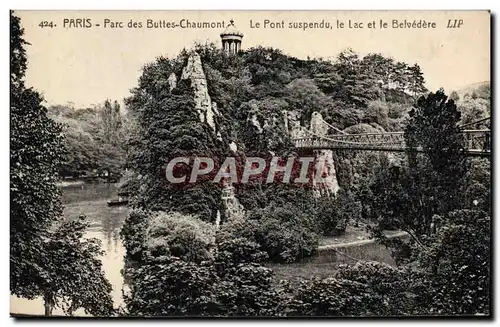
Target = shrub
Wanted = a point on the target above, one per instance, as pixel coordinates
(477, 196)
(237, 243)
(286, 233)
(246, 287)
(180, 275)
(364, 289)
(178, 235)
(171, 287)
(334, 297)
(403, 291)
(248, 291)
(362, 128)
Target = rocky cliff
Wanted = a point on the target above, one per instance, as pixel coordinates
(329, 185)
(207, 109)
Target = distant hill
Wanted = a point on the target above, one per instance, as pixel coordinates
(467, 89)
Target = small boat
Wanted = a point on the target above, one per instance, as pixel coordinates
(117, 202)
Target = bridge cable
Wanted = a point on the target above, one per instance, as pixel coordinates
(333, 127)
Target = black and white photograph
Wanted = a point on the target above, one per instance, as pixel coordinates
(249, 164)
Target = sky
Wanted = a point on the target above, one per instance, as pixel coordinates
(88, 65)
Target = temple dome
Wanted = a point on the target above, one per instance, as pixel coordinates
(231, 39)
(231, 30)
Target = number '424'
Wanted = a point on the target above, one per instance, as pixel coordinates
(45, 23)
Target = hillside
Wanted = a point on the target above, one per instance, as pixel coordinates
(469, 88)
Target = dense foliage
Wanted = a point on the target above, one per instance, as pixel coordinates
(433, 194)
(437, 197)
(233, 281)
(185, 274)
(93, 140)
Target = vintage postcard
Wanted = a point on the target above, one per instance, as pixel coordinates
(250, 163)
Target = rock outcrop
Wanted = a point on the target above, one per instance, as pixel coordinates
(233, 147)
(206, 109)
(318, 127)
(292, 124)
(172, 82)
(329, 184)
(255, 122)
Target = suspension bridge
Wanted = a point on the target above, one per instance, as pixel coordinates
(477, 141)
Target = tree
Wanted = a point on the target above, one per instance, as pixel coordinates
(18, 60)
(80, 145)
(355, 85)
(247, 288)
(270, 70)
(434, 126)
(94, 139)
(484, 91)
(182, 269)
(410, 197)
(454, 96)
(287, 232)
(133, 233)
(332, 297)
(183, 275)
(473, 110)
(260, 127)
(478, 193)
(333, 215)
(377, 112)
(474, 95)
(170, 286)
(48, 257)
(35, 155)
(304, 96)
(111, 121)
(426, 199)
(417, 81)
(73, 276)
(380, 68)
(182, 236)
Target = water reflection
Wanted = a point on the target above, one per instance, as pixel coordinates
(106, 222)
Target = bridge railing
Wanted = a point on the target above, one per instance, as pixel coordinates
(391, 140)
(475, 141)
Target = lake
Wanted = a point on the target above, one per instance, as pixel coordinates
(106, 222)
